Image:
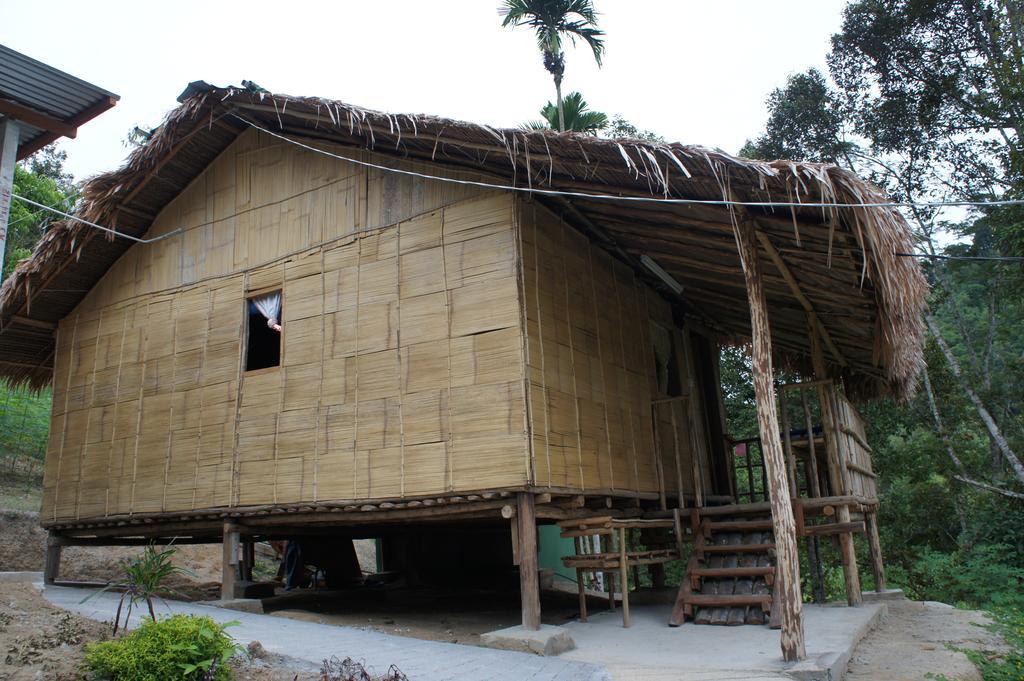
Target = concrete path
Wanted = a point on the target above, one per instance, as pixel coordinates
(651, 651)
(310, 643)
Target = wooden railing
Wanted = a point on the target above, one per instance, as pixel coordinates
(850, 472)
(854, 450)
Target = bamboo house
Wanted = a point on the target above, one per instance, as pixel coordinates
(315, 319)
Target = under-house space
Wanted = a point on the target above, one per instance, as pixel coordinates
(475, 346)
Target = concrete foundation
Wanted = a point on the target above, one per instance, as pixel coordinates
(548, 640)
(652, 651)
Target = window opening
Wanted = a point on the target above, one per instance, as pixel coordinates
(263, 345)
(666, 362)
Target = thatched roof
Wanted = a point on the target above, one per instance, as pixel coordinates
(842, 264)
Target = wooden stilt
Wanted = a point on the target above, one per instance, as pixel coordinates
(529, 585)
(836, 469)
(581, 580)
(248, 559)
(875, 546)
(786, 589)
(51, 568)
(229, 562)
(624, 576)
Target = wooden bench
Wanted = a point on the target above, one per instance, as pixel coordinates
(615, 558)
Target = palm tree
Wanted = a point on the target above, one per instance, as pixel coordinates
(552, 20)
(577, 117)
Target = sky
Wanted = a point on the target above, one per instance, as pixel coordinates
(694, 71)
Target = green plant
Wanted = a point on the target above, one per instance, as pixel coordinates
(144, 575)
(178, 647)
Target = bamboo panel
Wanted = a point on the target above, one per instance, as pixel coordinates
(402, 368)
(590, 366)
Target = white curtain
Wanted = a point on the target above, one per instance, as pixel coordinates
(269, 306)
(661, 339)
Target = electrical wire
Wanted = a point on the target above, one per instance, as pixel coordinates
(640, 199)
(935, 256)
(93, 224)
(585, 195)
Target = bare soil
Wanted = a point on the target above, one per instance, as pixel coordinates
(38, 641)
(912, 643)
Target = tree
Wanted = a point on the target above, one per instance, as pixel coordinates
(577, 116)
(40, 178)
(805, 122)
(552, 21)
(620, 128)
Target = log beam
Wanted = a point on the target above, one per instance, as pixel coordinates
(529, 584)
(787, 585)
(798, 293)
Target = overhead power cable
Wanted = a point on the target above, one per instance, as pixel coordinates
(635, 199)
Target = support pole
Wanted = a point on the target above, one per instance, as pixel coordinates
(814, 490)
(787, 580)
(229, 562)
(529, 585)
(51, 567)
(9, 132)
(875, 546)
(837, 477)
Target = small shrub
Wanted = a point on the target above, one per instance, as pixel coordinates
(179, 647)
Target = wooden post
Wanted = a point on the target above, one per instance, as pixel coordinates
(787, 439)
(10, 132)
(875, 546)
(229, 562)
(837, 474)
(529, 586)
(51, 567)
(787, 569)
(624, 576)
(813, 490)
(248, 559)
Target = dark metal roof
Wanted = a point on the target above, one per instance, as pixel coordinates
(48, 102)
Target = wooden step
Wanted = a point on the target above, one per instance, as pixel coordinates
(731, 572)
(738, 548)
(738, 525)
(729, 600)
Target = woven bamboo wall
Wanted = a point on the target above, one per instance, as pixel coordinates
(591, 366)
(402, 354)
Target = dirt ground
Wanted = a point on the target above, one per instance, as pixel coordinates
(436, 615)
(911, 644)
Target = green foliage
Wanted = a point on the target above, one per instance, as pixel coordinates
(578, 117)
(620, 128)
(179, 647)
(553, 20)
(41, 179)
(805, 121)
(24, 424)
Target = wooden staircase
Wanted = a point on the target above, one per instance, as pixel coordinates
(729, 577)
